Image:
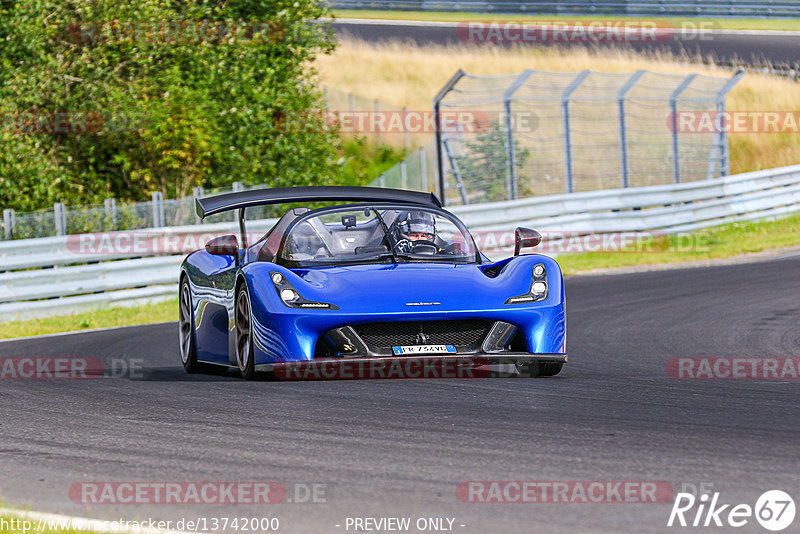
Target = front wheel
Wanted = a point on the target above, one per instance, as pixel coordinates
(550, 369)
(244, 334)
(538, 369)
(186, 330)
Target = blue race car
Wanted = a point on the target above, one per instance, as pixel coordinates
(387, 276)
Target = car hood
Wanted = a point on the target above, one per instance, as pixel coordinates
(414, 286)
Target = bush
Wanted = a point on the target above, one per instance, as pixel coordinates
(148, 115)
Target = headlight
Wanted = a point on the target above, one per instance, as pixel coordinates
(538, 289)
(290, 296)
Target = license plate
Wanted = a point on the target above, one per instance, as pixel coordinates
(424, 349)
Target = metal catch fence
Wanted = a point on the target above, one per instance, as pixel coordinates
(542, 133)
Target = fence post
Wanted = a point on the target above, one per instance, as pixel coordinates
(403, 175)
(565, 120)
(8, 223)
(61, 218)
(511, 152)
(623, 129)
(438, 130)
(326, 98)
(351, 104)
(376, 122)
(722, 136)
(110, 206)
(456, 171)
(423, 170)
(673, 109)
(158, 209)
(406, 136)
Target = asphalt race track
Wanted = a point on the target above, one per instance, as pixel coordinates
(400, 448)
(723, 46)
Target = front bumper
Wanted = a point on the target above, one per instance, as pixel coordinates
(457, 366)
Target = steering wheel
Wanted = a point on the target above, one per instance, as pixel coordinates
(425, 244)
(406, 245)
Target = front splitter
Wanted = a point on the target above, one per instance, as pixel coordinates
(503, 365)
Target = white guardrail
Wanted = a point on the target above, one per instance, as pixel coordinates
(65, 274)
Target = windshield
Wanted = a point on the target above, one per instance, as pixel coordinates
(348, 235)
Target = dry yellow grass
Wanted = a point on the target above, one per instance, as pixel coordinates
(403, 74)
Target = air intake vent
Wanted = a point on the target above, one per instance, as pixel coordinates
(493, 271)
(461, 333)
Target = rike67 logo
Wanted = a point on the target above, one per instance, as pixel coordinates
(774, 510)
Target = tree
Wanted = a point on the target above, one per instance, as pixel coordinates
(484, 165)
(116, 99)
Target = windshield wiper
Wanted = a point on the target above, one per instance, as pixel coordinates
(388, 237)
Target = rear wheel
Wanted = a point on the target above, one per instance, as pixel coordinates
(186, 329)
(244, 334)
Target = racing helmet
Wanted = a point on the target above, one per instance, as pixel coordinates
(418, 225)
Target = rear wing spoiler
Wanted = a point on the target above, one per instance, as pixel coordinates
(282, 195)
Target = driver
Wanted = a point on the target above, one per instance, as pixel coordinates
(418, 226)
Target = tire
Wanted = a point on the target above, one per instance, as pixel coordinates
(536, 369)
(550, 369)
(244, 334)
(186, 341)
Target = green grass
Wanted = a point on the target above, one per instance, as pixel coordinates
(723, 241)
(677, 22)
(719, 242)
(101, 318)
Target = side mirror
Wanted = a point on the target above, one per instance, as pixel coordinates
(224, 245)
(525, 237)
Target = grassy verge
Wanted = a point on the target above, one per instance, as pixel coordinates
(444, 16)
(101, 318)
(719, 242)
(409, 75)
